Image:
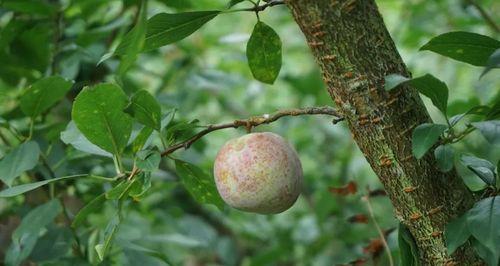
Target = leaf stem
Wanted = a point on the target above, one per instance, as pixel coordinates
(102, 178)
(463, 134)
(45, 162)
(256, 8)
(162, 139)
(52, 190)
(118, 164)
(78, 246)
(32, 125)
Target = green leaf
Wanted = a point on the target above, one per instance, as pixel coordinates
(97, 112)
(482, 168)
(91, 207)
(26, 234)
(163, 28)
(18, 190)
(433, 88)
(141, 139)
(148, 160)
(489, 257)
(198, 183)
(33, 7)
(264, 53)
(72, 136)
(147, 251)
(490, 130)
(10, 31)
(407, 247)
(495, 110)
(498, 171)
(29, 53)
(53, 245)
(118, 191)
(424, 137)
(141, 186)
(444, 156)
(179, 130)
(22, 158)
(394, 80)
(145, 109)
(168, 118)
(493, 62)
(483, 222)
(133, 42)
(460, 106)
(428, 85)
(92, 241)
(109, 235)
(43, 94)
(456, 233)
(179, 4)
(468, 47)
(476, 110)
(234, 2)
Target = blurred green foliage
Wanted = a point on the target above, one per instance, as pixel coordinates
(206, 77)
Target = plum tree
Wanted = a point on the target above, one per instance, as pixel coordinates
(77, 129)
(259, 172)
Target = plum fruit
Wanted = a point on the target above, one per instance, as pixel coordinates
(258, 172)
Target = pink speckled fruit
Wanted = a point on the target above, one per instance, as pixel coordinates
(259, 172)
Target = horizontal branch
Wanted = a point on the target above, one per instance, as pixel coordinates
(262, 7)
(253, 122)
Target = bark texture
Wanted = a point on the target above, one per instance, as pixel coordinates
(355, 52)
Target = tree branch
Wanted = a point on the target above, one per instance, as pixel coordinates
(485, 15)
(259, 8)
(253, 122)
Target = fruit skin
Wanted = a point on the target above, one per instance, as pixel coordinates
(258, 172)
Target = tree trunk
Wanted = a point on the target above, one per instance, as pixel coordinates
(355, 52)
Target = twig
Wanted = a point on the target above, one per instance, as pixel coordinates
(259, 8)
(460, 136)
(31, 128)
(134, 172)
(379, 230)
(253, 122)
(78, 246)
(45, 162)
(485, 16)
(58, 21)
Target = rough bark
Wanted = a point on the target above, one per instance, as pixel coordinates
(355, 52)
